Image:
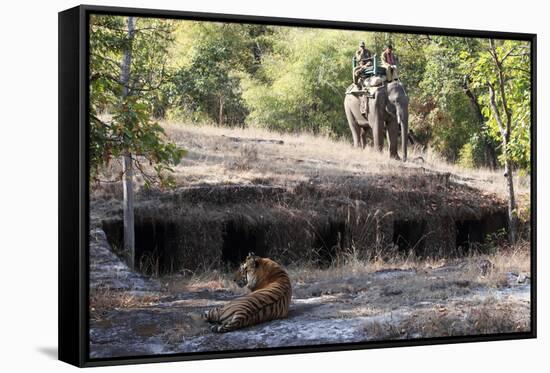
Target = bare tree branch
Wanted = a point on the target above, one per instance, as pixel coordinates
(513, 49)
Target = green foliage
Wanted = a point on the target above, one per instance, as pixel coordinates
(471, 154)
(466, 156)
(455, 129)
(130, 130)
(214, 57)
(412, 57)
(308, 73)
(452, 125)
(515, 67)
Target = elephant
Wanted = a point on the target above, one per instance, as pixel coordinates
(387, 110)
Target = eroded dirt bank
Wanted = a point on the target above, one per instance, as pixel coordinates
(298, 197)
(186, 228)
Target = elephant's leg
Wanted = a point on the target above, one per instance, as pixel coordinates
(355, 120)
(377, 120)
(393, 135)
(399, 102)
(378, 136)
(355, 129)
(402, 109)
(377, 117)
(363, 137)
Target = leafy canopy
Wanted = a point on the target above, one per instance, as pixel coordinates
(129, 129)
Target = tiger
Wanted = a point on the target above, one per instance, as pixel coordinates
(270, 296)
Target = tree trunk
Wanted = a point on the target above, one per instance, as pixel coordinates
(128, 209)
(220, 113)
(128, 174)
(512, 214)
(488, 149)
(505, 133)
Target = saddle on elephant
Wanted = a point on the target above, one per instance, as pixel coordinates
(366, 91)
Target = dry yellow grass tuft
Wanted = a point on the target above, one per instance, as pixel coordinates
(461, 320)
(209, 280)
(103, 300)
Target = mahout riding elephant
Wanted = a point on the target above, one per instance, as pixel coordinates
(388, 110)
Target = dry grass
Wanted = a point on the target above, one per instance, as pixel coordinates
(504, 259)
(200, 281)
(247, 158)
(215, 151)
(507, 259)
(429, 279)
(221, 155)
(462, 320)
(104, 300)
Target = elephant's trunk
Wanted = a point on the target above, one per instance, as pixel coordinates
(403, 120)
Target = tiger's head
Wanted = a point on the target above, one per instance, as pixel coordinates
(247, 274)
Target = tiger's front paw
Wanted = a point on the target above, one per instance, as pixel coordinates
(217, 329)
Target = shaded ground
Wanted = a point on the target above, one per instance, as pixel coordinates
(134, 315)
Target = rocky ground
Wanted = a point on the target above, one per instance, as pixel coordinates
(135, 315)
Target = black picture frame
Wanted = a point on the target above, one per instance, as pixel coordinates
(74, 183)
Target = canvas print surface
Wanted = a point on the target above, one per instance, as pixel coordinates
(258, 186)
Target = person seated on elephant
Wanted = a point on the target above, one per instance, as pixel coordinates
(363, 57)
(358, 74)
(363, 54)
(389, 61)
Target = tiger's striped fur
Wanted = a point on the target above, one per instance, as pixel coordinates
(269, 299)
